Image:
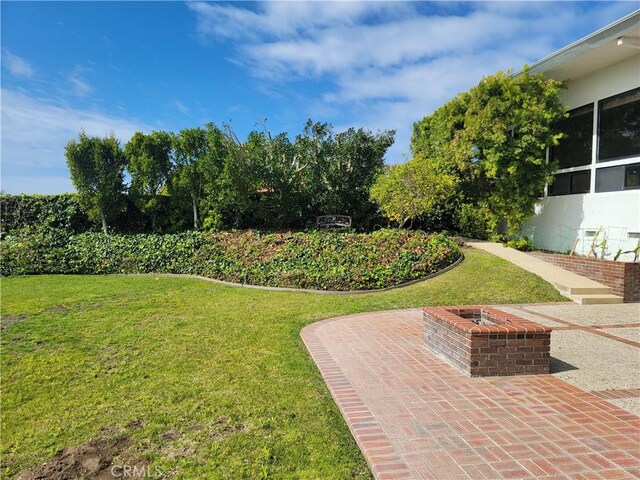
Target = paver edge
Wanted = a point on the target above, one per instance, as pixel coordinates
(316, 350)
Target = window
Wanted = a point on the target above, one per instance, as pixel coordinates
(619, 126)
(581, 181)
(574, 148)
(632, 176)
(570, 183)
(612, 179)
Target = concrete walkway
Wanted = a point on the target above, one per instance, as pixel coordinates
(415, 416)
(579, 289)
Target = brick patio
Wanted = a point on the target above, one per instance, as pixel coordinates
(415, 416)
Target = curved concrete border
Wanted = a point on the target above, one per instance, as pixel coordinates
(299, 290)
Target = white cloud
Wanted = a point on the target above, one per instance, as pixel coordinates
(80, 87)
(278, 19)
(181, 107)
(34, 134)
(17, 66)
(381, 46)
(389, 64)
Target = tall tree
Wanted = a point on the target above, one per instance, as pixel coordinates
(191, 147)
(342, 167)
(149, 163)
(97, 168)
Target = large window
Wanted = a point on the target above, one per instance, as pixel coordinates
(574, 148)
(619, 126)
(624, 177)
(570, 183)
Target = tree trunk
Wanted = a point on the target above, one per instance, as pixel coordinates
(104, 223)
(195, 212)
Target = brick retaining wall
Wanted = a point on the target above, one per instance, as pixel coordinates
(622, 277)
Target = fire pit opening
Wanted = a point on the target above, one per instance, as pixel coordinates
(483, 340)
(479, 318)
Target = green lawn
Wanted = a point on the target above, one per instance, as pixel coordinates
(206, 381)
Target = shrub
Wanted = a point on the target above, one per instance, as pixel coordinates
(493, 139)
(34, 251)
(317, 259)
(475, 222)
(413, 190)
(523, 244)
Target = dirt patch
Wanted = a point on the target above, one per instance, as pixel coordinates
(170, 435)
(135, 424)
(7, 320)
(223, 427)
(91, 460)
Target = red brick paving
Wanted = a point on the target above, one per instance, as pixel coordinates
(415, 416)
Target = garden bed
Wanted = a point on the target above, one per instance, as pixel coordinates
(309, 260)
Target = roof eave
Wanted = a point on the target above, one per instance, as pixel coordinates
(606, 34)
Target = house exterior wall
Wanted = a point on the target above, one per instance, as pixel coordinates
(560, 220)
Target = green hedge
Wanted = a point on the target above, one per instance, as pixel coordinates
(318, 259)
(63, 212)
(60, 211)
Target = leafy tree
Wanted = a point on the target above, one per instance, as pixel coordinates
(191, 148)
(341, 168)
(412, 190)
(97, 171)
(230, 176)
(493, 139)
(263, 180)
(149, 162)
(279, 188)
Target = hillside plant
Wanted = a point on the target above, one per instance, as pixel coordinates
(311, 260)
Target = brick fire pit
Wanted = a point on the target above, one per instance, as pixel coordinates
(485, 341)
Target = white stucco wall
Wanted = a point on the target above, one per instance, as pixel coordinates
(604, 83)
(560, 220)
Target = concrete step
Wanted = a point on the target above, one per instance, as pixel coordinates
(596, 299)
(579, 289)
(583, 290)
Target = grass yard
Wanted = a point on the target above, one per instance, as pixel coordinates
(202, 380)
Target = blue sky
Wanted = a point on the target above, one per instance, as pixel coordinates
(142, 66)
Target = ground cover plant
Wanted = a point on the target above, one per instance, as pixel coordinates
(322, 260)
(191, 378)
